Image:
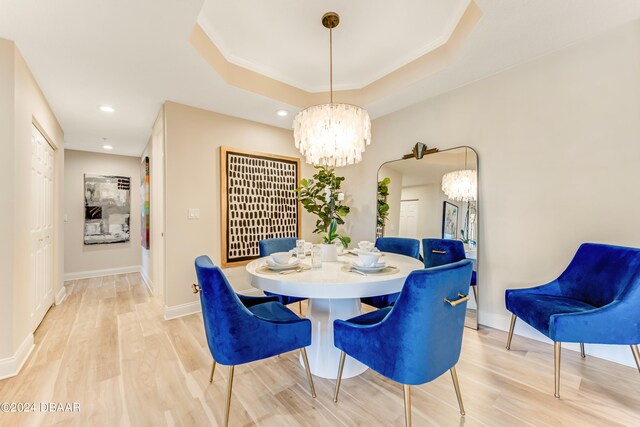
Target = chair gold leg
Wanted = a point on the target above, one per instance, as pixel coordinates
(300, 307)
(557, 349)
(475, 293)
(456, 386)
(636, 355)
(229, 387)
(582, 353)
(306, 367)
(213, 370)
(407, 405)
(339, 379)
(513, 325)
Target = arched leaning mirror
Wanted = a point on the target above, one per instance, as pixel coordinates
(433, 194)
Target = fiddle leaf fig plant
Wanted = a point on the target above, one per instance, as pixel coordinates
(383, 206)
(321, 196)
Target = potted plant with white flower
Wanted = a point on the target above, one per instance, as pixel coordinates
(321, 196)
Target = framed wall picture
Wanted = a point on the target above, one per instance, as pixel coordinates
(449, 221)
(145, 220)
(258, 201)
(107, 209)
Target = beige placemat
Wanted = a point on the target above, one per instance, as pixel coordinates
(266, 270)
(384, 272)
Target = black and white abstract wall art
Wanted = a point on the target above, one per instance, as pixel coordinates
(259, 201)
(107, 209)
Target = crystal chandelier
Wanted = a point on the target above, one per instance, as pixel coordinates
(332, 134)
(461, 185)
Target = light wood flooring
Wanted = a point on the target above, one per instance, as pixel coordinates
(108, 348)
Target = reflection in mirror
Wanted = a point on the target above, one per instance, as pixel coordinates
(433, 197)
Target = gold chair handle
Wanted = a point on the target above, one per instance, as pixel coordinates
(438, 252)
(460, 300)
(196, 288)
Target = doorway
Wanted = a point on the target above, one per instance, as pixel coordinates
(409, 218)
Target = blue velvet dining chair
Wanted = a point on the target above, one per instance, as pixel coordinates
(280, 244)
(417, 339)
(444, 251)
(239, 333)
(595, 300)
(395, 245)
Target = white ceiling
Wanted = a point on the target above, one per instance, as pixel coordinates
(286, 40)
(134, 55)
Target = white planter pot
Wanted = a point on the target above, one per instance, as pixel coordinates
(328, 252)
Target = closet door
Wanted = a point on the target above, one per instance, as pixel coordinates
(41, 227)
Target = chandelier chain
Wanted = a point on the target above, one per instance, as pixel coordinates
(331, 64)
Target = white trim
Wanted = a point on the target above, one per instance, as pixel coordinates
(99, 273)
(614, 353)
(61, 295)
(180, 310)
(254, 292)
(11, 366)
(147, 281)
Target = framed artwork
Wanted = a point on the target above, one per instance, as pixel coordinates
(449, 221)
(145, 220)
(258, 201)
(107, 209)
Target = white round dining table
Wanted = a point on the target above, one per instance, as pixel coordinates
(334, 292)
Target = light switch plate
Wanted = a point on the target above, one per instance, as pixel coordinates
(193, 213)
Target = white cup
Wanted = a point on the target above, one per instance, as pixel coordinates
(365, 246)
(368, 259)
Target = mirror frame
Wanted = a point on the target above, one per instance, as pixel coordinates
(424, 152)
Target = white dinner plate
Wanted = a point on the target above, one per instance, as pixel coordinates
(379, 266)
(293, 263)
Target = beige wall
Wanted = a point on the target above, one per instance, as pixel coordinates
(193, 181)
(558, 141)
(22, 105)
(7, 145)
(85, 259)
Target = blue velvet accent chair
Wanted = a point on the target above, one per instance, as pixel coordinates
(595, 300)
(444, 251)
(417, 339)
(239, 333)
(395, 245)
(281, 244)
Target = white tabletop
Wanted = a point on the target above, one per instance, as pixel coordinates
(332, 282)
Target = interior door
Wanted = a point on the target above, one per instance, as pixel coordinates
(41, 227)
(409, 218)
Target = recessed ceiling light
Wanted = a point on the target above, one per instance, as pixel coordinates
(107, 147)
(107, 108)
(282, 113)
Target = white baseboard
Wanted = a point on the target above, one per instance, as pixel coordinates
(147, 281)
(11, 366)
(614, 353)
(176, 311)
(98, 273)
(252, 292)
(61, 295)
